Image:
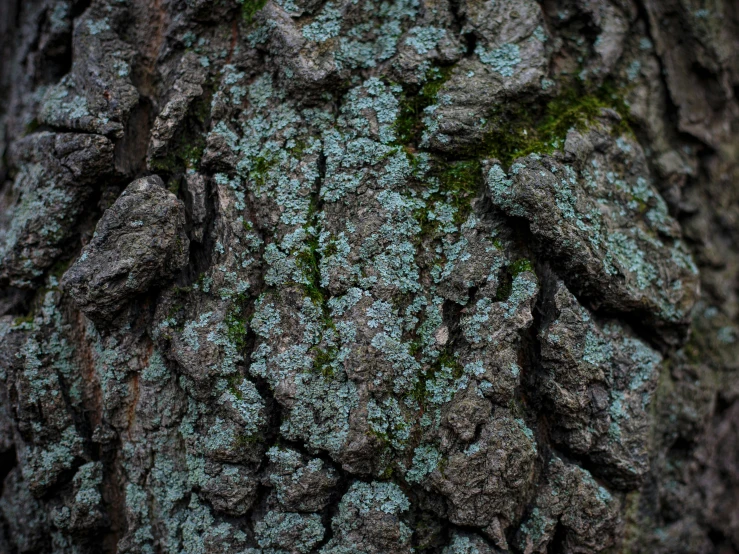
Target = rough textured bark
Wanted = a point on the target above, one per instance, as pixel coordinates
(440, 276)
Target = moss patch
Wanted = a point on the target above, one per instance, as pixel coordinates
(447, 359)
(309, 262)
(459, 183)
(259, 170)
(236, 322)
(323, 360)
(520, 266)
(23, 321)
(414, 101)
(249, 9)
(530, 129)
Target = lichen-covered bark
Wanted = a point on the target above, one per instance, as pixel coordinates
(362, 276)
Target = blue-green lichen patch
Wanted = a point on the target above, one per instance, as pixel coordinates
(370, 519)
(161, 491)
(202, 531)
(468, 543)
(233, 432)
(85, 512)
(600, 215)
(374, 39)
(289, 532)
(368, 240)
(318, 400)
(503, 59)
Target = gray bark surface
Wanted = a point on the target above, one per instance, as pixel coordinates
(363, 276)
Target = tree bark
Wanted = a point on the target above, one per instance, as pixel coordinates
(292, 276)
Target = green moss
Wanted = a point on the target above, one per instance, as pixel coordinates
(307, 260)
(528, 129)
(518, 131)
(695, 349)
(419, 392)
(177, 307)
(298, 150)
(642, 206)
(520, 266)
(25, 320)
(173, 186)
(387, 473)
(323, 360)
(385, 451)
(414, 101)
(236, 323)
(181, 291)
(249, 9)
(259, 171)
(415, 347)
(516, 408)
(634, 520)
(459, 183)
(245, 441)
(447, 359)
(233, 385)
(184, 154)
(331, 248)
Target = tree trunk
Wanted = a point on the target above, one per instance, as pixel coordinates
(293, 276)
